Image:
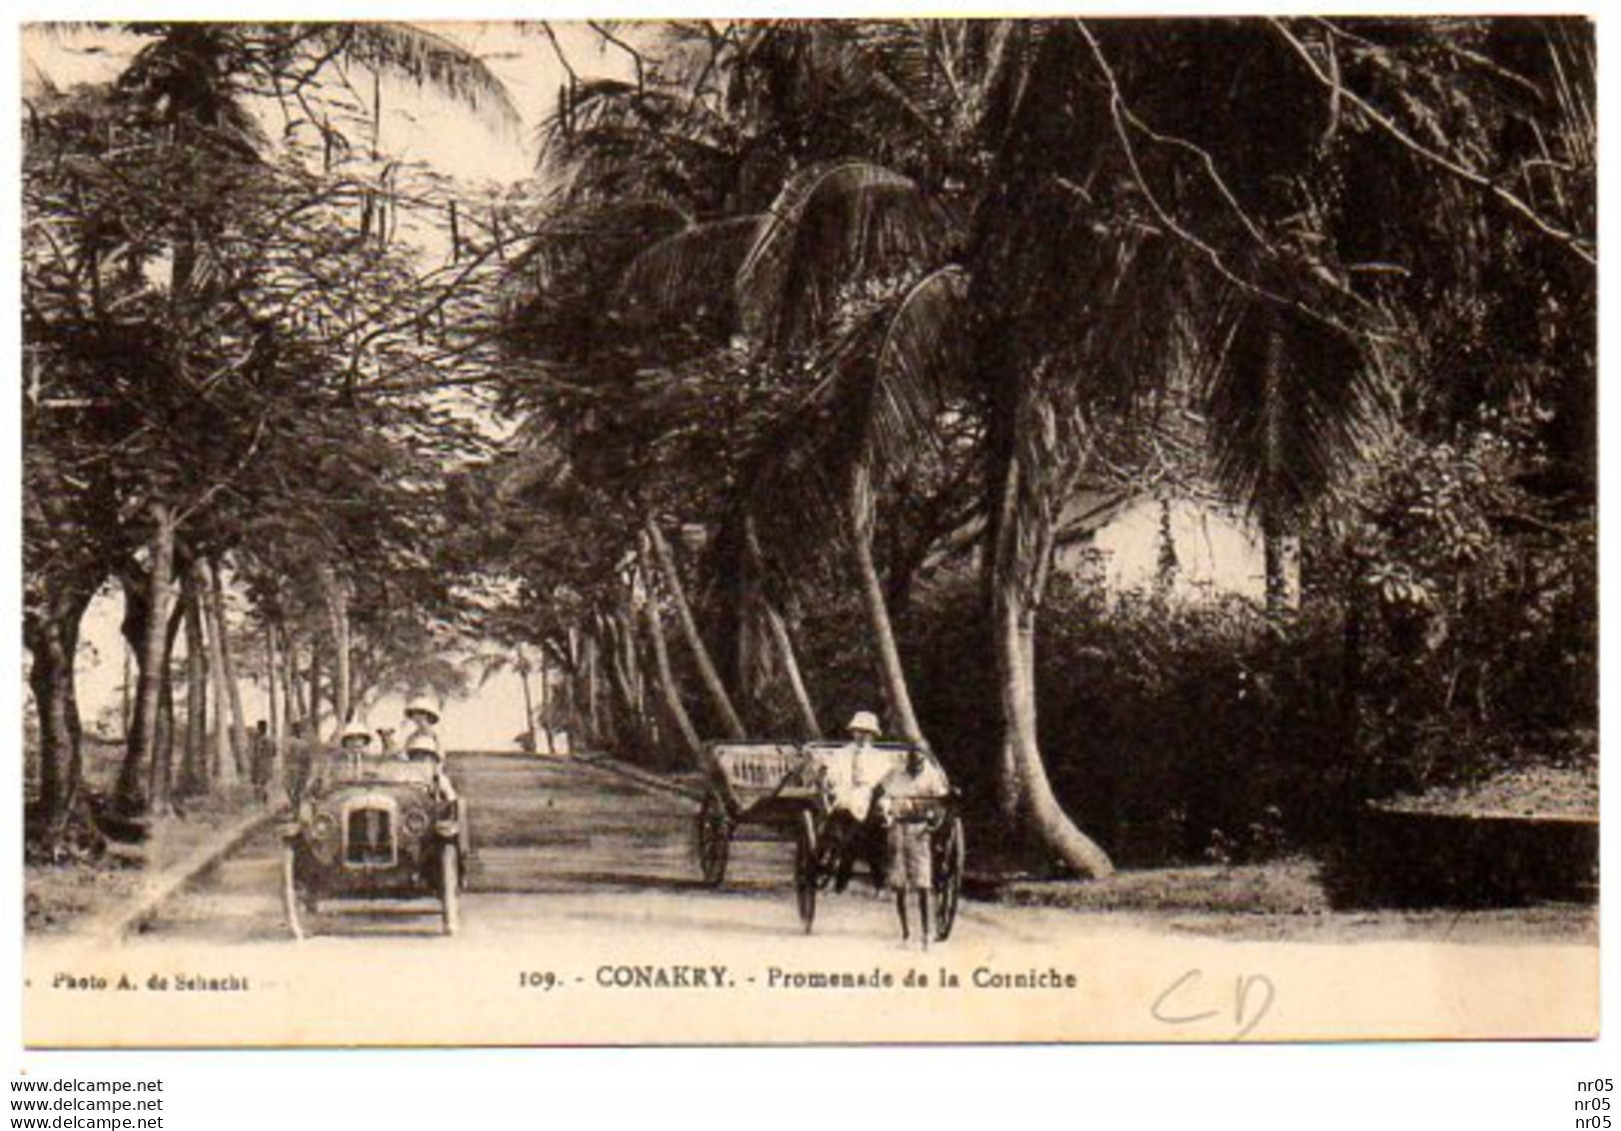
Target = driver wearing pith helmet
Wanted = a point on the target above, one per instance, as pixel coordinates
(422, 744)
(421, 715)
(422, 710)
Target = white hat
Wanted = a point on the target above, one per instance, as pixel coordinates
(864, 720)
(355, 729)
(425, 705)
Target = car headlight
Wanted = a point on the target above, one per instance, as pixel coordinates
(324, 827)
(416, 822)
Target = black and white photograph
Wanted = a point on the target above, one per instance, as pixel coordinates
(809, 531)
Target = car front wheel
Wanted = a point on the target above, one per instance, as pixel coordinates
(450, 887)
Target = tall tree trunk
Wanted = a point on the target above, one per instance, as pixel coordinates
(1348, 757)
(588, 659)
(314, 715)
(160, 768)
(233, 689)
(896, 695)
(126, 692)
(790, 669)
(1281, 548)
(273, 690)
(665, 678)
(275, 697)
(222, 766)
(1280, 541)
(335, 592)
(297, 703)
(48, 673)
(632, 730)
(625, 625)
(671, 576)
(136, 586)
(193, 777)
(780, 636)
(571, 689)
(160, 771)
(1021, 550)
(528, 706)
(131, 797)
(51, 632)
(746, 657)
(74, 777)
(545, 710)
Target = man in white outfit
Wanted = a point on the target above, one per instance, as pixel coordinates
(853, 772)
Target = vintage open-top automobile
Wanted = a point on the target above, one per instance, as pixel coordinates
(373, 828)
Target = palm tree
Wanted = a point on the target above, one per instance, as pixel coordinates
(521, 663)
(1123, 214)
(1149, 169)
(774, 277)
(834, 226)
(209, 73)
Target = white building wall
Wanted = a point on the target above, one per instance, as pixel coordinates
(1219, 552)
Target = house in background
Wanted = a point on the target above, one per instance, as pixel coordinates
(1187, 545)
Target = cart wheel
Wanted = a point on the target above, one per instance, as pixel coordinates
(948, 864)
(714, 839)
(289, 892)
(450, 887)
(805, 870)
(464, 841)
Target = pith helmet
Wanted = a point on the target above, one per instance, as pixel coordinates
(864, 721)
(425, 705)
(355, 729)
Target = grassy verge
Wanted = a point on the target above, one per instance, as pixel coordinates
(58, 897)
(1284, 901)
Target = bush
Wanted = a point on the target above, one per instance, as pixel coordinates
(1447, 633)
(1171, 732)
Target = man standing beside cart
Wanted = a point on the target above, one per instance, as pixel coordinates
(909, 829)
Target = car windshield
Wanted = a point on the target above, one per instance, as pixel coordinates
(341, 765)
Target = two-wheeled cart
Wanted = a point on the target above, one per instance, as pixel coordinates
(801, 790)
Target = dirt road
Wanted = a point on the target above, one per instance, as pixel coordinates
(586, 923)
(553, 841)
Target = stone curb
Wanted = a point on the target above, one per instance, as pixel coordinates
(637, 774)
(113, 925)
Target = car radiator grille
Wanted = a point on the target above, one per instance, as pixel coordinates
(369, 837)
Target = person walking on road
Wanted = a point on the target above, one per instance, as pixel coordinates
(300, 765)
(909, 834)
(261, 755)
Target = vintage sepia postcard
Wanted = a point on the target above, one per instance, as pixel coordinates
(809, 531)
